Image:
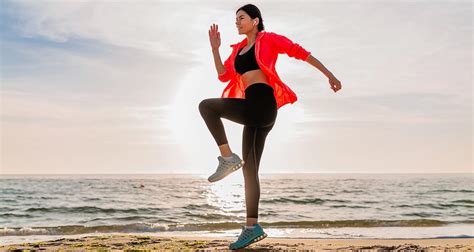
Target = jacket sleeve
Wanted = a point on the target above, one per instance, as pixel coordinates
(226, 75)
(283, 44)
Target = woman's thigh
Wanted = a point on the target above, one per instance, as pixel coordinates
(233, 109)
(242, 111)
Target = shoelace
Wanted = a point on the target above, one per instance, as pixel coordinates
(245, 234)
(223, 165)
(226, 162)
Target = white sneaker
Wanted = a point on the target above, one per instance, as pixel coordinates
(226, 167)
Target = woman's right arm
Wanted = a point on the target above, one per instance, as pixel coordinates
(215, 39)
(218, 62)
(223, 72)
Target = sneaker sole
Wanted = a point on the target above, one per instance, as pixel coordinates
(259, 238)
(233, 169)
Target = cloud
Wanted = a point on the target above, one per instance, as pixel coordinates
(152, 26)
(121, 77)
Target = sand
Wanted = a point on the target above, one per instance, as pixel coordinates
(189, 243)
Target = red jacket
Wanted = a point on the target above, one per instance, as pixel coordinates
(267, 47)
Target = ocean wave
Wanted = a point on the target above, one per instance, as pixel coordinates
(209, 226)
(200, 207)
(464, 201)
(421, 214)
(450, 190)
(316, 201)
(349, 206)
(10, 215)
(91, 210)
(352, 191)
(435, 206)
(144, 218)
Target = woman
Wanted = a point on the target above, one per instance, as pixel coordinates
(252, 98)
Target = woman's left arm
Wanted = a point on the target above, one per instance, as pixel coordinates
(333, 81)
(282, 44)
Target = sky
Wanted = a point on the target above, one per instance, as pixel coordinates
(114, 86)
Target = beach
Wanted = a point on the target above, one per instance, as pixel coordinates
(191, 243)
(147, 242)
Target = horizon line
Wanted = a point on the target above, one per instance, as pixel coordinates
(472, 173)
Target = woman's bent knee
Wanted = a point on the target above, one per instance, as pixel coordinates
(203, 104)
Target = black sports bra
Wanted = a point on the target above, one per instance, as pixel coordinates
(246, 62)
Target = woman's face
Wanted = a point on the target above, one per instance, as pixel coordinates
(244, 22)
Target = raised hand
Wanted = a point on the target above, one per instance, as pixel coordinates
(214, 36)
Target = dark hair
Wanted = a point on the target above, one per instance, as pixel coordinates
(253, 12)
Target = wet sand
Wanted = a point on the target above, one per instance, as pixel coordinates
(190, 243)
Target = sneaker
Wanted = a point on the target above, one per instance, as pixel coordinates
(226, 167)
(248, 236)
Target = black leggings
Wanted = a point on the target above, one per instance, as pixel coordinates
(257, 112)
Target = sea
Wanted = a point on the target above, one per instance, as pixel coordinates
(303, 205)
